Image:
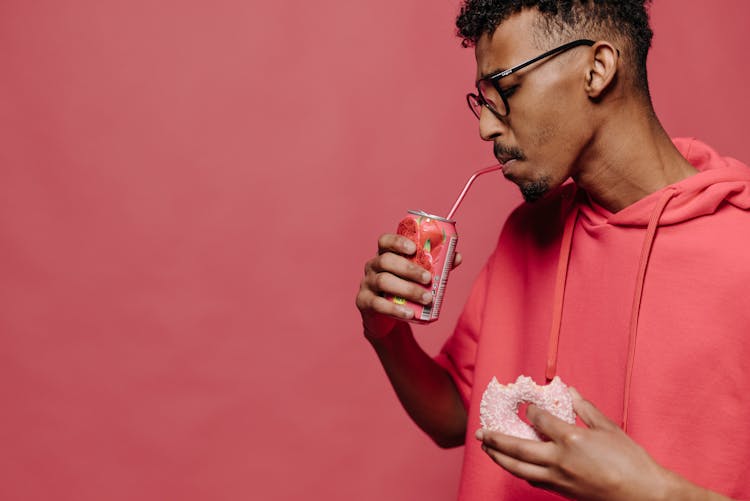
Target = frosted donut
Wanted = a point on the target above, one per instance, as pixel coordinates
(498, 410)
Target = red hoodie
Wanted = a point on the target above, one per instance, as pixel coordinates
(645, 311)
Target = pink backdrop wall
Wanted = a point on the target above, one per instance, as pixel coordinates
(188, 192)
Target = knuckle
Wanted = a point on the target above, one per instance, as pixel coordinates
(364, 298)
(385, 241)
(381, 281)
(376, 263)
(392, 263)
(368, 266)
(385, 260)
(381, 241)
(415, 270)
(360, 303)
(572, 438)
(366, 283)
(417, 291)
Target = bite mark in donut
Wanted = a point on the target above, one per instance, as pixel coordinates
(498, 410)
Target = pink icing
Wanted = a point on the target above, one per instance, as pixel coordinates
(498, 410)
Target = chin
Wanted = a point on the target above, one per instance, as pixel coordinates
(535, 190)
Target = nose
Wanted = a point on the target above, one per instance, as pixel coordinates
(491, 126)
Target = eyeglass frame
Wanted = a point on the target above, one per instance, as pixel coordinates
(495, 77)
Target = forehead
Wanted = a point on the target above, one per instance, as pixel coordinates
(510, 44)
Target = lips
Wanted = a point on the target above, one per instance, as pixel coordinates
(507, 156)
(506, 163)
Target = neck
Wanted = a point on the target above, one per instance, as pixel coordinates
(630, 159)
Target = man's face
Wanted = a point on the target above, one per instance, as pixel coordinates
(546, 129)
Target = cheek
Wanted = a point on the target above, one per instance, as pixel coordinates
(543, 133)
(558, 131)
(551, 127)
(539, 124)
(547, 134)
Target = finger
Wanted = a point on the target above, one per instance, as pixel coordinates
(457, 260)
(589, 414)
(548, 424)
(370, 303)
(527, 451)
(396, 243)
(389, 284)
(527, 471)
(402, 267)
(386, 307)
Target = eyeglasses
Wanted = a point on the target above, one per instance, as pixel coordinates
(490, 94)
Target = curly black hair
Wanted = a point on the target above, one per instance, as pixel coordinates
(624, 20)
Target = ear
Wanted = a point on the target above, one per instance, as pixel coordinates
(602, 69)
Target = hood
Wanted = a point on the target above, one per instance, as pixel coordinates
(719, 180)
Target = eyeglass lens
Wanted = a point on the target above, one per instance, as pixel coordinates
(488, 92)
(475, 104)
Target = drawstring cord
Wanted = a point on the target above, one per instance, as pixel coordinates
(557, 302)
(648, 244)
(562, 275)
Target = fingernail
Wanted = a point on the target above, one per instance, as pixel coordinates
(406, 312)
(426, 298)
(479, 434)
(410, 246)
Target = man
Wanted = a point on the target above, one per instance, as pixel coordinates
(627, 282)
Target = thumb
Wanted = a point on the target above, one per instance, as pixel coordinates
(589, 414)
(457, 260)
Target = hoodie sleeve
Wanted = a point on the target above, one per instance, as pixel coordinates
(459, 352)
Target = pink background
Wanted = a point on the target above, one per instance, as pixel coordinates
(189, 190)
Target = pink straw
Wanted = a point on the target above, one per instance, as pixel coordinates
(468, 183)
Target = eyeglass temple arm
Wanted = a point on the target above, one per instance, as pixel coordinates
(552, 52)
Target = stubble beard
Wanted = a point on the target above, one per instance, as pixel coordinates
(534, 190)
(531, 190)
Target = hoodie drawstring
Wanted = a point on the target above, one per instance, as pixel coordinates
(561, 279)
(648, 244)
(557, 302)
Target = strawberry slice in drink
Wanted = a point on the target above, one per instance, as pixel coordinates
(424, 259)
(409, 228)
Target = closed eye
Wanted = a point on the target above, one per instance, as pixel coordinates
(509, 91)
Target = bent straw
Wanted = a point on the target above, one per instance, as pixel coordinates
(468, 184)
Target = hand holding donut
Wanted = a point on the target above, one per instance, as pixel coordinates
(498, 410)
(599, 462)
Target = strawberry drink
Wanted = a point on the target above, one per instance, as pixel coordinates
(436, 240)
